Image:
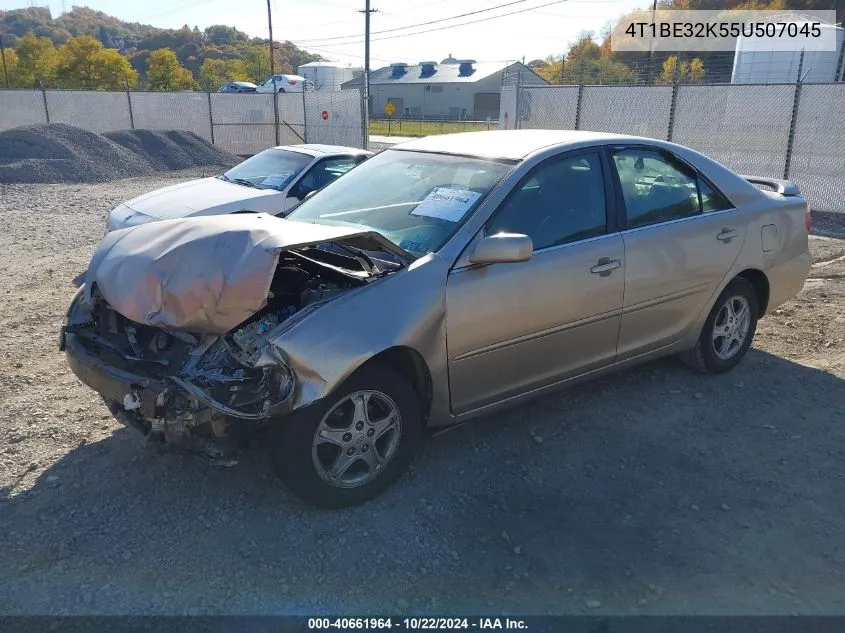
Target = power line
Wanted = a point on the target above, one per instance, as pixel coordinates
(442, 28)
(402, 28)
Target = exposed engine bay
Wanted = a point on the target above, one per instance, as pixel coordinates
(204, 379)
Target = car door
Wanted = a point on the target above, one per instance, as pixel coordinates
(513, 327)
(681, 235)
(319, 175)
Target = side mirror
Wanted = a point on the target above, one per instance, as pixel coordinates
(308, 195)
(301, 193)
(502, 248)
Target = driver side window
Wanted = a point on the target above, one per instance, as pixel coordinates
(323, 173)
(561, 200)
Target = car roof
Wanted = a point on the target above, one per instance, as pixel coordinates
(318, 150)
(512, 144)
(242, 83)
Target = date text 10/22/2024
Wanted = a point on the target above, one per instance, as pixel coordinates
(412, 624)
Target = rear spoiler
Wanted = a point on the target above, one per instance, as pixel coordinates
(783, 187)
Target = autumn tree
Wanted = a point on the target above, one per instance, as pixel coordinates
(691, 71)
(10, 67)
(256, 60)
(83, 62)
(164, 72)
(585, 61)
(115, 71)
(216, 72)
(37, 60)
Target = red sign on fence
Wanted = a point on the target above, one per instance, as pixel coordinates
(325, 115)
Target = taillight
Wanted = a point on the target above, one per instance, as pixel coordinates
(808, 221)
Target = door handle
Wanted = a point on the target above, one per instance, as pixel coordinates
(726, 235)
(605, 266)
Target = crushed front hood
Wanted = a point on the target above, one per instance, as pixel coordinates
(204, 274)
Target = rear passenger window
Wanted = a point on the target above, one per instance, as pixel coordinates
(562, 200)
(656, 187)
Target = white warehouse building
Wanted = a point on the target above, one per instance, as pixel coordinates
(326, 75)
(451, 89)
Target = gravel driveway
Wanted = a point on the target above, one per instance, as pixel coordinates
(654, 491)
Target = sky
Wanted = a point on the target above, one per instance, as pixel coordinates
(534, 33)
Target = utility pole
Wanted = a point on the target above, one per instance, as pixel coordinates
(270, 27)
(273, 76)
(366, 105)
(650, 44)
(3, 55)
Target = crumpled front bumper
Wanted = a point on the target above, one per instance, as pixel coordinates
(144, 403)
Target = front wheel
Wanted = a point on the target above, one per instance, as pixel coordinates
(350, 447)
(728, 331)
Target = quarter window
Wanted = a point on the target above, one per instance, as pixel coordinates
(561, 201)
(711, 200)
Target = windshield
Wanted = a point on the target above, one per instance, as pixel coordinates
(414, 199)
(270, 169)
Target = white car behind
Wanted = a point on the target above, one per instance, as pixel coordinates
(274, 181)
(284, 83)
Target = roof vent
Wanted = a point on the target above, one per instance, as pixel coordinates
(427, 69)
(465, 68)
(398, 69)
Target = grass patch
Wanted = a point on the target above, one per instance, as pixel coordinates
(408, 127)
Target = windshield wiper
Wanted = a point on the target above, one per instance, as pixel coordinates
(243, 181)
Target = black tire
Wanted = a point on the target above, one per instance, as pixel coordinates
(704, 357)
(292, 440)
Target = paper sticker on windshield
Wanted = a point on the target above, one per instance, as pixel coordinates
(276, 180)
(447, 204)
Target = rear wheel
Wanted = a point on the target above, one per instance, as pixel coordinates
(354, 444)
(728, 331)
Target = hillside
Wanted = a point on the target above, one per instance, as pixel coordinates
(136, 41)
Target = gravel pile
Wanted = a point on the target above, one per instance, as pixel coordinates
(173, 149)
(58, 153)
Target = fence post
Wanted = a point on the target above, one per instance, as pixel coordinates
(129, 101)
(674, 103)
(44, 96)
(304, 118)
(276, 113)
(790, 141)
(580, 98)
(365, 116)
(210, 117)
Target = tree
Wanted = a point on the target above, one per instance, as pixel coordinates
(115, 71)
(77, 63)
(216, 72)
(584, 61)
(256, 60)
(166, 73)
(84, 63)
(37, 59)
(219, 34)
(681, 71)
(11, 68)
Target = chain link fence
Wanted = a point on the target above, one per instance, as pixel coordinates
(238, 123)
(792, 131)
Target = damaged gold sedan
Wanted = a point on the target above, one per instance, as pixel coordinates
(438, 281)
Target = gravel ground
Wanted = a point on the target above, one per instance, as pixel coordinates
(654, 491)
